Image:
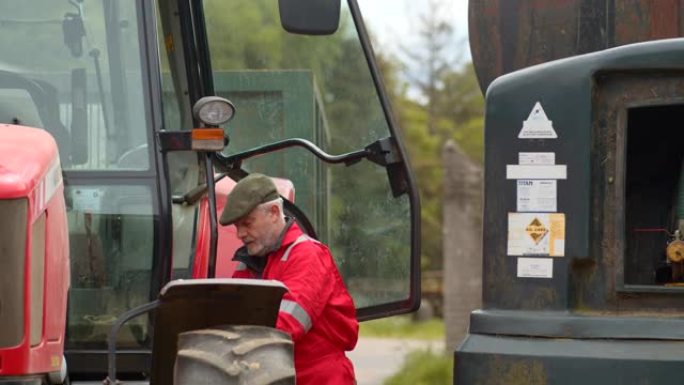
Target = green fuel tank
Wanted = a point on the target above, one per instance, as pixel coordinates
(583, 154)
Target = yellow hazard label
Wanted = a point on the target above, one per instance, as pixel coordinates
(55, 361)
(536, 234)
(536, 230)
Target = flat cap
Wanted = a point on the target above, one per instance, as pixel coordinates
(247, 194)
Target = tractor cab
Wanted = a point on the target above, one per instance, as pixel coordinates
(114, 82)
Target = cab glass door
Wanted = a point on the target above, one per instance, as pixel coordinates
(321, 88)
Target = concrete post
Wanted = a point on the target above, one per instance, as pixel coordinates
(462, 210)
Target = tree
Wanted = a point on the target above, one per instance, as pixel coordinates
(461, 103)
(430, 59)
(412, 118)
(450, 106)
(460, 98)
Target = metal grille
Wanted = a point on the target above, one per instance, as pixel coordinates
(13, 217)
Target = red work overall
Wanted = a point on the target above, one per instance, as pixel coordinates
(317, 312)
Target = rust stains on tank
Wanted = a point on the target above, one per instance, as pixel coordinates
(505, 371)
(509, 35)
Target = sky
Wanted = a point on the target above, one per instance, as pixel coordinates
(394, 24)
(395, 21)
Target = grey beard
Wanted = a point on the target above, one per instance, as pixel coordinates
(268, 249)
(275, 243)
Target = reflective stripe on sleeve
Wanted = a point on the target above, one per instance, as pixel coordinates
(292, 308)
(297, 241)
(241, 267)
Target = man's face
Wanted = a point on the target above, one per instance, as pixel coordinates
(256, 230)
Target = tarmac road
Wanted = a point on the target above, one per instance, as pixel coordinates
(376, 359)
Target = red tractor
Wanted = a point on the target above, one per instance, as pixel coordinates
(134, 93)
(34, 278)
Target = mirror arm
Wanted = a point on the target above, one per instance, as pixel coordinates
(348, 159)
(382, 152)
(385, 153)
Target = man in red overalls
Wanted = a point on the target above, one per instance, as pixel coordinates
(317, 311)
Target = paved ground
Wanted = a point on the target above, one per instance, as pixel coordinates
(376, 359)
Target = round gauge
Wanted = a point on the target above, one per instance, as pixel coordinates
(675, 251)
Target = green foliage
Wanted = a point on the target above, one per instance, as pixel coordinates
(248, 35)
(463, 124)
(470, 137)
(460, 97)
(424, 150)
(403, 327)
(424, 368)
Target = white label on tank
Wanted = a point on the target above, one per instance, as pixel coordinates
(535, 268)
(536, 195)
(536, 234)
(537, 125)
(537, 158)
(516, 171)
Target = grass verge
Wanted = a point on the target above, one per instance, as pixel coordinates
(403, 327)
(424, 368)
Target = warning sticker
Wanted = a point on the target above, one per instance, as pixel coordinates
(536, 195)
(536, 234)
(537, 125)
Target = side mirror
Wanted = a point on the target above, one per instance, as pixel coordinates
(310, 17)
